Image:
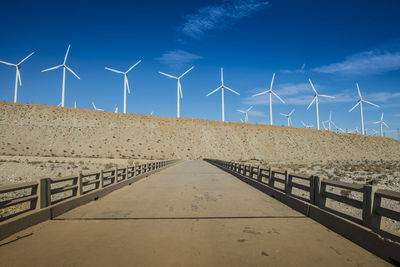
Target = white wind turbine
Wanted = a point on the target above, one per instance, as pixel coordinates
(307, 126)
(246, 117)
(126, 83)
(116, 109)
(270, 92)
(179, 89)
(95, 108)
(359, 102)
(329, 121)
(17, 75)
(289, 120)
(381, 123)
(65, 67)
(222, 87)
(315, 99)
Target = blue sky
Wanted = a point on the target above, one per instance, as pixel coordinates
(335, 43)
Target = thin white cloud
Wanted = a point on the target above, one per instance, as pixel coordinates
(301, 70)
(178, 58)
(219, 16)
(365, 63)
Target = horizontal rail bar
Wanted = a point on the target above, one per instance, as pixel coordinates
(394, 215)
(63, 189)
(349, 201)
(344, 185)
(15, 201)
(388, 194)
(16, 187)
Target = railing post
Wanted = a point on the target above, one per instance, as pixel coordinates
(271, 177)
(312, 190)
(370, 202)
(259, 174)
(80, 184)
(101, 181)
(288, 183)
(320, 188)
(126, 173)
(115, 175)
(44, 193)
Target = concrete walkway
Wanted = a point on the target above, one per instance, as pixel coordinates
(192, 214)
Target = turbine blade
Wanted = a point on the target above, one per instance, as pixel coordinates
(384, 123)
(72, 72)
(358, 103)
(262, 93)
(233, 91)
(180, 88)
(133, 66)
(241, 111)
(127, 84)
(371, 103)
(358, 89)
(66, 54)
(277, 96)
(327, 96)
(186, 72)
(272, 81)
(167, 75)
(382, 117)
(312, 86)
(94, 106)
(26, 58)
(53, 68)
(19, 77)
(311, 103)
(117, 71)
(283, 114)
(10, 64)
(291, 112)
(214, 91)
(250, 108)
(222, 75)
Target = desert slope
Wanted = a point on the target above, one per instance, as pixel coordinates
(39, 130)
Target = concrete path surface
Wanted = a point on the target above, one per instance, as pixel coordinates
(191, 214)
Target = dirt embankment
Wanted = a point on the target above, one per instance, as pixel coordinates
(38, 130)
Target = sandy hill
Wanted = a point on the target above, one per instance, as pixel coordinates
(39, 130)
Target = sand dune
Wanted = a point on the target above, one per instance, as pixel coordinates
(39, 130)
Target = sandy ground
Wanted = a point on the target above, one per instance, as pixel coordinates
(38, 130)
(221, 222)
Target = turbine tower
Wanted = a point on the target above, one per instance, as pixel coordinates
(360, 102)
(315, 99)
(270, 92)
(289, 120)
(65, 67)
(126, 83)
(179, 89)
(381, 123)
(246, 117)
(222, 87)
(17, 75)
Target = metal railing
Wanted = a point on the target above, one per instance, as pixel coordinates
(371, 204)
(20, 198)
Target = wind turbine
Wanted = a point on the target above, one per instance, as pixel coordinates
(246, 117)
(222, 87)
(381, 123)
(289, 121)
(179, 89)
(329, 121)
(94, 106)
(270, 92)
(116, 109)
(126, 83)
(17, 75)
(75, 104)
(315, 99)
(307, 126)
(359, 102)
(65, 67)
